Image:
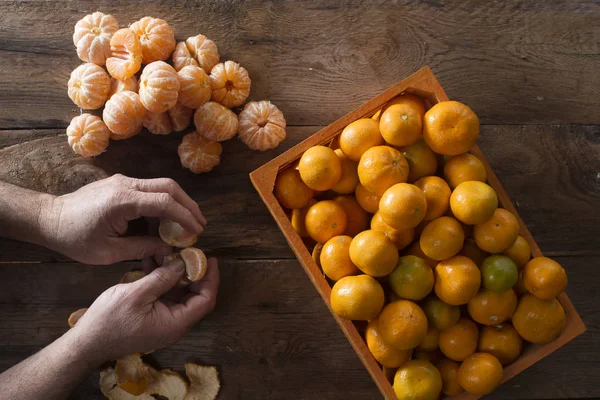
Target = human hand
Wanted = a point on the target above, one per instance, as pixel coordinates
(137, 318)
(88, 225)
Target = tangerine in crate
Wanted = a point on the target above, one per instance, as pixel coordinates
(92, 37)
(459, 230)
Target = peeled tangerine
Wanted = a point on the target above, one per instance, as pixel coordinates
(123, 115)
(92, 37)
(261, 125)
(215, 122)
(230, 84)
(196, 50)
(126, 55)
(195, 262)
(159, 86)
(158, 123)
(156, 37)
(204, 382)
(198, 153)
(194, 89)
(88, 135)
(174, 235)
(117, 86)
(181, 116)
(89, 86)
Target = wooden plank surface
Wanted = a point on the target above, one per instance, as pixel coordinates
(513, 62)
(270, 326)
(550, 172)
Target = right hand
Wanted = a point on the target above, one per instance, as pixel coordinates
(136, 318)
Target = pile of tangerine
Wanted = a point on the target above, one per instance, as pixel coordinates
(402, 221)
(139, 89)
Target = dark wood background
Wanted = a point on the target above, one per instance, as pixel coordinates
(529, 69)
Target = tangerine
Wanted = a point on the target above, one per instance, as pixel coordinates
(400, 237)
(381, 167)
(92, 37)
(117, 86)
(403, 206)
(125, 55)
(490, 308)
(544, 278)
(290, 191)
(159, 87)
(335, 258)
(416, 250)
(439, 314)
(480, 374)
(196, 50)
(457, 280)
(261, 125)
(449, 373)
(463, 168)
(88, 86)
(325, 220)
(460, 340)
(215, 122)
(422, 161)
(156, 37)
(123, 114)
(400, 125)
(198, 153)
(194, 86)
(230, 84)
(519, 251)
(373, 253)
(501, 341)
(539, 321)
(320, 168)
(442, 238)
(349, 180)
(358, 220)
(368, 201)
(298, 218)
(437, 195)
(499, 273)
(181, 116)
(417, 379)
(358, 298)
(402, 324)
(450, 128)
(473, 202)
(411, 279)
(385, 354)
(158, 123)
(431, 341)
(358, 137)
(88, 135)
(173, 234)
(497, 233)
(473, 252)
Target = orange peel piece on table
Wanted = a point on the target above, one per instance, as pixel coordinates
(204, 382)
(110, 389)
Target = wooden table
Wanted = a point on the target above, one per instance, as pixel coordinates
(530, 71)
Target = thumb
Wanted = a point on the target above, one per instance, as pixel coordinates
(138, 248)
(161, 280)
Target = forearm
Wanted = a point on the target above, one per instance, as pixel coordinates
(24, 214)
(53, 372)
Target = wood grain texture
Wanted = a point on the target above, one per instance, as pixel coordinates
(550, 172)
(513, 62)
(271, 335)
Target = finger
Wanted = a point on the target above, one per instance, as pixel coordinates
(136, 248)
(203, 302)
(148, 265)
(159, 281)
(160, 205)
(166, 185)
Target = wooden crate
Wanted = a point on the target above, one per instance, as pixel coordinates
(424, 84)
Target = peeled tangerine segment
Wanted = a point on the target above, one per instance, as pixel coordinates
(132, 276)
(75, 316)
(196, 50)
(181, 117)
(123, 114)
(117, 86)
(215, 122)
(88, 135)
(126, 55)
(199, 154)
(158, 123)
(261, 125)
(175, 235)
(156, 37)
(88, 86)
(129, 374)
(109, 388)
(159, 87)
(194, 89)
(204, 382)
(166, 383)
(230, 84)
(92, 37)
(195, 263)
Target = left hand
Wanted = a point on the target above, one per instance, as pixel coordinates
(137, 317)
(88, 225)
